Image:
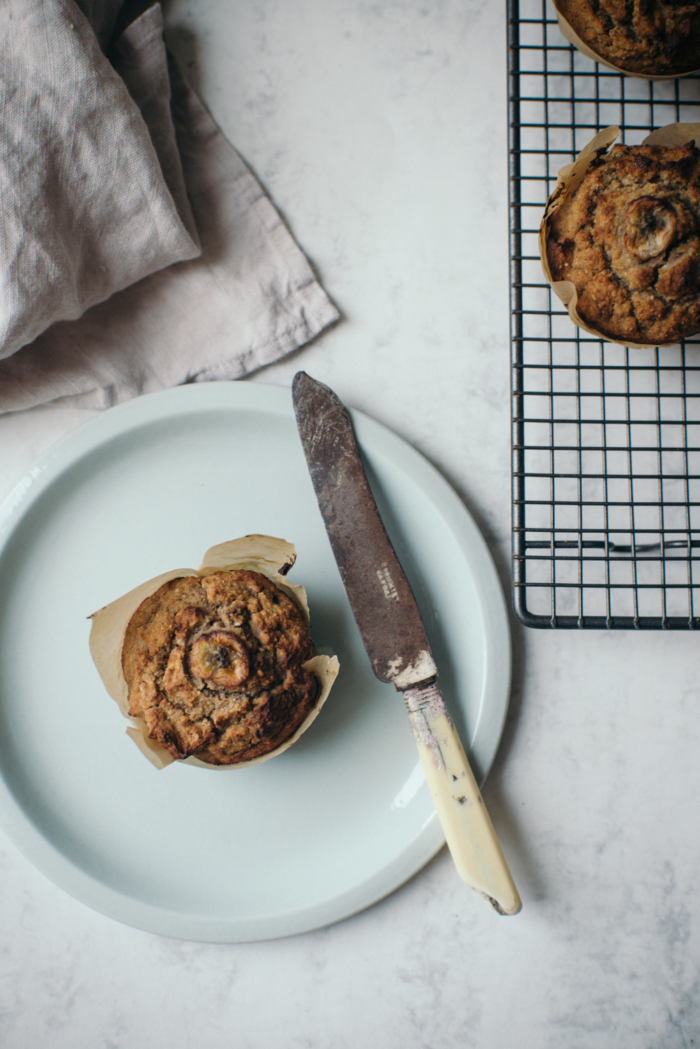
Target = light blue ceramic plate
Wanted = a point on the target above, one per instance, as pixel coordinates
(332, 825)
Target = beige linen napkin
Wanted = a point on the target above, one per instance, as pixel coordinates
(117, 176)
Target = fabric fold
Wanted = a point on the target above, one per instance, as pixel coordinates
(241, 295)
(140, 59)
(85, 209)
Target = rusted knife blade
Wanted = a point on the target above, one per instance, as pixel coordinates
(393, 634)
(382, 600)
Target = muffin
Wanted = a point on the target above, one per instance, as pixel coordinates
(215, 667)
(625, 236)
(655, 38)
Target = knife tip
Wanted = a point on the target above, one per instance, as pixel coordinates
(311, 396)
(303, 382)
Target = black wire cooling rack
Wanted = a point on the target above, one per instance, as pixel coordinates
(606, 440)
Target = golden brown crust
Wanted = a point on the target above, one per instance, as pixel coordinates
(214, 666)
(655, 37)
(628, 238)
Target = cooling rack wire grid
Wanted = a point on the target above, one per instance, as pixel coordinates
(606, 440)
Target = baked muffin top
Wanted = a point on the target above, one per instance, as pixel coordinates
(656, 37)
(214, 666)
(627, 237)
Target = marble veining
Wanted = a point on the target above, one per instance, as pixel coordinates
(380, 129)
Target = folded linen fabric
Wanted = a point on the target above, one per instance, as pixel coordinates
(85, 206)
(140, 250)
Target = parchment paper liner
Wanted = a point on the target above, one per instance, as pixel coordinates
(568, 32)
(568, 178)
(258, 553)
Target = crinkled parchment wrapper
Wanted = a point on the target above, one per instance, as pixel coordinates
(258, 553)
(568, 178)
(569, 34)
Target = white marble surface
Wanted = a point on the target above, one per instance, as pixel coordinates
(380, 130)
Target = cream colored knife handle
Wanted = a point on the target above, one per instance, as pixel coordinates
(469, 832)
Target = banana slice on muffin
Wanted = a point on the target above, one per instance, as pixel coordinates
(620, 238)
(215, 667)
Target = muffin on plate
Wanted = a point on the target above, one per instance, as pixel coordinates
(624, 232)
(215, 667)
(654, 38)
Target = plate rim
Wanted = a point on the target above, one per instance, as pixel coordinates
(256, 396)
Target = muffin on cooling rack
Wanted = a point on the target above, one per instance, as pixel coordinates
(650, 38)
(626, 236)
(217, 666)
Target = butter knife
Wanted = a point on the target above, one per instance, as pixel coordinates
(394, 636)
